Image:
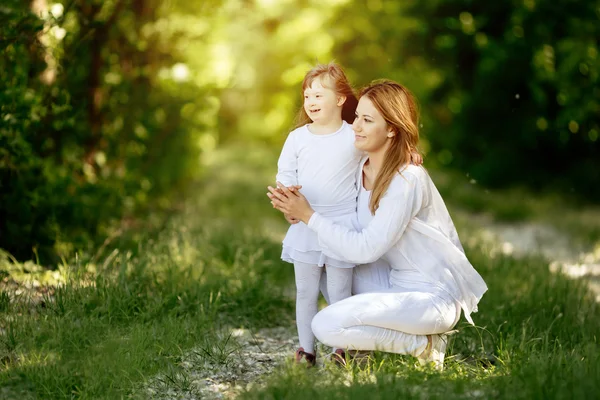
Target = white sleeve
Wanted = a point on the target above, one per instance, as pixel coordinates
(396, 209)
(287, 165)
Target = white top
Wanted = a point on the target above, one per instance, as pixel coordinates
(325, 166)
(411, 227)
(405, 275)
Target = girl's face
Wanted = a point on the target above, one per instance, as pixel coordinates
(321, 104)
(372, 132)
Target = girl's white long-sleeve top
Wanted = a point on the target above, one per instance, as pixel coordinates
(411, 227)
(325, 166)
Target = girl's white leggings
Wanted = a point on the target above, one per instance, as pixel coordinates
(388, 318)
(308, 279)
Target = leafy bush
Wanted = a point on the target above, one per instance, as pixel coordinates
(89, 130)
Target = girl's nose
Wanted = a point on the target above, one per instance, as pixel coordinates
(356, 125)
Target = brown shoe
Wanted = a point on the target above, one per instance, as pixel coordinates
(310, 359)
(338, 357)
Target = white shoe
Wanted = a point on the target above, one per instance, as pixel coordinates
(437, 351)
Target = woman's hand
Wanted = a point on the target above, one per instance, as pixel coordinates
(294, 204)
(292, 188)
(416, 158)
(291, 220)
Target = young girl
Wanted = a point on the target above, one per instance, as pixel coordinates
(319, 155)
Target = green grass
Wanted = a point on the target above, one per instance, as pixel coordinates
(133, 314)
(537, 337)
(97, 337)
(118, 322)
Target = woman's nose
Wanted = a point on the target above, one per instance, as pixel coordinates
(356, 125)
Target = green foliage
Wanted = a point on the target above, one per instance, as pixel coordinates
(509, 92)
(520, 95)
(107, 106)
(90, 130)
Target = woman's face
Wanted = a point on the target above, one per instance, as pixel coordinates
(371, 132)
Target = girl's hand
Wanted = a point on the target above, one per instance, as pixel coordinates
(292, 203)
(416, 158)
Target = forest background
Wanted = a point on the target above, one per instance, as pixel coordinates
(109, 109)
(139, 255)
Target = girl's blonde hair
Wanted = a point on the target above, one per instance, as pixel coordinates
(341, 86)
(398, 107)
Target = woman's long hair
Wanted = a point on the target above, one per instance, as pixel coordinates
(341, 86)
(398, 107)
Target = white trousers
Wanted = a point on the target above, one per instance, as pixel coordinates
(308, 282)
(386, 318)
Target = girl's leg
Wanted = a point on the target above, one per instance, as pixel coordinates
(339, 283)
(323, 285)
(307, 294)
(372, 277)
(390, 322)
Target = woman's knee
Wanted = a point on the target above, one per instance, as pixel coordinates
(449, 314)
(324, 326)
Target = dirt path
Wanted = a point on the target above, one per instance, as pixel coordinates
(222, 370)
(526, 238)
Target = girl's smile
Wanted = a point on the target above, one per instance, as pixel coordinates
(321, 103)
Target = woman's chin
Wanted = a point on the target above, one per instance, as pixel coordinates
(360, 145)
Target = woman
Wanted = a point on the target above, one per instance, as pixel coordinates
(404, 221)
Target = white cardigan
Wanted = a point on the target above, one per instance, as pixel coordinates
(412, 225)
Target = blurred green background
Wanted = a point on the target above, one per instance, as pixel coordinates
(110, 110)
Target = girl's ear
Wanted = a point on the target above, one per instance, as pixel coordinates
(391, 132)
(341, 100)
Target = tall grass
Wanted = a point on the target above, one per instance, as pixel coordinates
(120, 320)
(98, 335)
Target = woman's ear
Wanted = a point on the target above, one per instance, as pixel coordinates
(341, 100)
(391, 132)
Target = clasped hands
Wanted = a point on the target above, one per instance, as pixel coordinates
(290, 202)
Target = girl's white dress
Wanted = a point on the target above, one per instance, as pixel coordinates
(325, 166)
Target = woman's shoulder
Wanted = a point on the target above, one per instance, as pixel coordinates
(417, 172)
(411, 176)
